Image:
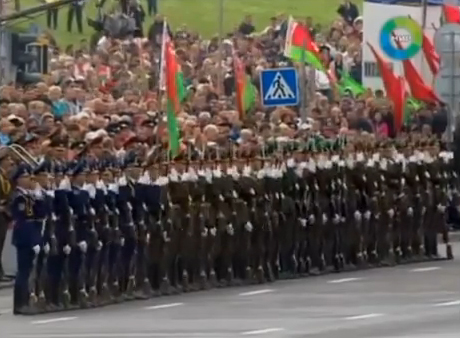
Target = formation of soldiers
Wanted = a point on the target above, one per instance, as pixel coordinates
(102, 229)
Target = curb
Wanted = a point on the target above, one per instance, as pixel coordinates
(6, 285)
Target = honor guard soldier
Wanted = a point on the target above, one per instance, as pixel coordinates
(45, 225)
(79, 202)
(26, 238)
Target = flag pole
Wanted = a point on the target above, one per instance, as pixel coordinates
(162, 80)
(303, 80)
(221, 47)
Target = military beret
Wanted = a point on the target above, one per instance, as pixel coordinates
(43, 167)
(21, 171)
(77, 168)
(124, 125)
(59, 142)
(150, 123)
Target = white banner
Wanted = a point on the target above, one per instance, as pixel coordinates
(375, 16)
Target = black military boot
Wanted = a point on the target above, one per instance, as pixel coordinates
(165, 287)
(449, 253)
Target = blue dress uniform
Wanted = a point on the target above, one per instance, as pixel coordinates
(79, 202)
(117, 240)
(26, 239)
(43, 218)
(64, 232)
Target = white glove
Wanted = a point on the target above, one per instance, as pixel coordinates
(165, 236)
(324, 218)
(213, 231)
(311, 219)
(367, 215)
(83, 246)
(67, 250)
(36, 249)
(303, 222)
(336, 219)
(391, 213)
(230, 229)
(122, 241)
(99, 245)
(46, 248)
(410, 211)
(248, 226)
(204, 233)
(441, 208)
(358, 215)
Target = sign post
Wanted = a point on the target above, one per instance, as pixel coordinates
(447, 81)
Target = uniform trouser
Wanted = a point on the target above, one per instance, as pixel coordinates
(77, 11)
(25, 257)
(77, 277)
(55, 266)
(52, 18)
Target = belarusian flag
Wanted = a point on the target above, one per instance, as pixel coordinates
(300, 46)
(175, 91)
(245, 90)
(348, 83)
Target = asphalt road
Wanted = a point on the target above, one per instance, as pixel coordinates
(410, 301)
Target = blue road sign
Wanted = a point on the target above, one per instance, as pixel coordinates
(279, 87)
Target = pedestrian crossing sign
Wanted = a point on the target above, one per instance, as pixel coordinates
(279, 87)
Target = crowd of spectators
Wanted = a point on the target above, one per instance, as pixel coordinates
(96, 84)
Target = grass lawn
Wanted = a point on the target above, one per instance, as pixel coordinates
(203, 15)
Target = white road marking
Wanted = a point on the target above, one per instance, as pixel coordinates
(163, 306)
(452, 303)
(430, 268)
(343, 280)
(367, 316)
(53, 320)
(257, 292)
(265, 331)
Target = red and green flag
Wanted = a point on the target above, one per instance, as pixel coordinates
(300, 46)
(245, 91)
(176, 93)
(347, 83)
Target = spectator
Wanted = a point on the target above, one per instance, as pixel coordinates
(380, 126)
(349, 11)
(246, 27)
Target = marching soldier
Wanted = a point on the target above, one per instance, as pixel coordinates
(26, 238)
(253, 212)
(81, 213)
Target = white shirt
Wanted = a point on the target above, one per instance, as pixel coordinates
(321, 80)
